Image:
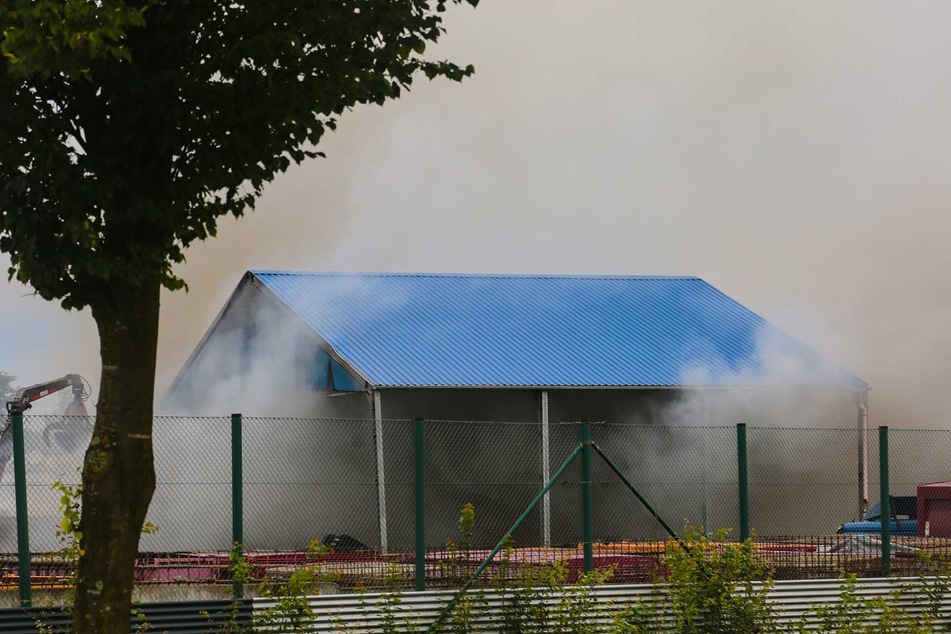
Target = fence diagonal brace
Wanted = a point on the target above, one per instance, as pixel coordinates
(495, 551)
(640, 497)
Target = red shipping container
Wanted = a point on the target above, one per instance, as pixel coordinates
(934, 509)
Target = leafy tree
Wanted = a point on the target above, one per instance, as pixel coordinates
(7, 387)
(127, 128)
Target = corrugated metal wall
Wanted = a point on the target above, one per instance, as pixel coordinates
(366, 613)
(180, 617)
(359, 614)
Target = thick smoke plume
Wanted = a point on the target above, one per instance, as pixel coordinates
(793, 154)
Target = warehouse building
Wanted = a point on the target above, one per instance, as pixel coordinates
(670, 352)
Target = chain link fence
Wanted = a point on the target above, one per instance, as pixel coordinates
(805, 481)
(339, 495)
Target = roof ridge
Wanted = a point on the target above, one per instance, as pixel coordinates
(535, 276)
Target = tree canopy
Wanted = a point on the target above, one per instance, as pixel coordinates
(127, 129)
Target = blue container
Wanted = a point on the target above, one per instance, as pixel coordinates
(899, 528)
(904, 518)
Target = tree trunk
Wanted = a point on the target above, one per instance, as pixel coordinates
(118, 472)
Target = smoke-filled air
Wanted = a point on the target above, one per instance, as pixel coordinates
(795, 155)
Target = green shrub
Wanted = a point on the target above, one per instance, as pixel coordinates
(854, 614)
(291, 611)
(713, 587)
(643, 618)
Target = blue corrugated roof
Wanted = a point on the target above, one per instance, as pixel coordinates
(416, 330)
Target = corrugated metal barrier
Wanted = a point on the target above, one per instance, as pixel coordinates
(368, 613)
(793, 600)
(178, 617)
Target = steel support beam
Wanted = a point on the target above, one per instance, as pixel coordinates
(380, 477)
(546, 472)
(861, 402)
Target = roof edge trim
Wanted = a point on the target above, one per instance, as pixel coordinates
(533, 276)
(323, 343)
(756, 388)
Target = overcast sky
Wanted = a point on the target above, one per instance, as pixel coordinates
(794, 154)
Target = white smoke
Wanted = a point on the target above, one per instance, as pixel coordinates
(792, 154)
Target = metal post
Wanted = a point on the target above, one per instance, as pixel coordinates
(546, 468)
(706, 463)
(743, 481)
(861, 402)
(380, 478)
(885, 501)
(237, 501)
(23, 524)
(420, 505)
(586, 495)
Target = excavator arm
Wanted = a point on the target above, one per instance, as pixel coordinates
(25, 396)
(23, 400)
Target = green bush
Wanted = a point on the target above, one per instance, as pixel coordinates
(713, 587)
(853, 614)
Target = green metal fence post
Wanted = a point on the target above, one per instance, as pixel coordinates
(237, 501)
(420, 433)
(586, 497)
(23, 522)
(743, 480)
(885, 501)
